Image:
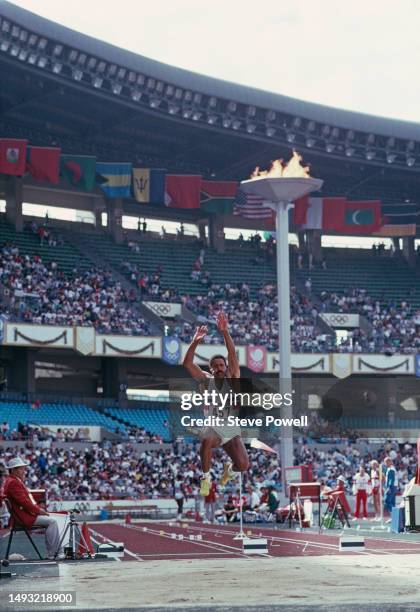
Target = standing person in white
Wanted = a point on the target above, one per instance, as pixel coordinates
(361, 488)
(375, 482)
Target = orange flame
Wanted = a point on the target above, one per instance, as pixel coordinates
(293, 169)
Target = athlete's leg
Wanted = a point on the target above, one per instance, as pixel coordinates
(209, 440)
(207, 444)
(236, 450)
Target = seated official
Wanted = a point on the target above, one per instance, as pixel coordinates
(24, 510)
(230, 510)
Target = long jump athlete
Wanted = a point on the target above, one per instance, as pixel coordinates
(229, 437)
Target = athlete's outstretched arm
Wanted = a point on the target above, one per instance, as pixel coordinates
(222, 326)
(188, 363)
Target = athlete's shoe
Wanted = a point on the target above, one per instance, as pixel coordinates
(227, 474)
(205, 486)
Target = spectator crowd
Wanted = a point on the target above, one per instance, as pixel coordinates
(38, 292)
(34, 434)
(120, 470)
(114, 470)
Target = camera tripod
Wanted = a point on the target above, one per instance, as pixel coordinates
(295, 509)
(74, 534)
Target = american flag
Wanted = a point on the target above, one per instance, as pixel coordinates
(251, 206)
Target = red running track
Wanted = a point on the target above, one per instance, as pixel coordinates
(153, 541)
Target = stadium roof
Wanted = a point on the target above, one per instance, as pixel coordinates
(63, 87)
(208, 85)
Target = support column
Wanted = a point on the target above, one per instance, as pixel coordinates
(301, 241)
(408, 250)
(99, 206)
(202, 232)
(115, 211)
(216, 233)
(315, 245)
(110, 378)
(21, 374)
(396, 243)
(14, 201)
(114, 379)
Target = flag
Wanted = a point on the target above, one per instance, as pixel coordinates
(361, 217)
(183, 191)
(117, 178)
(251, 206)
(398, 219)
(149, 185)
(324, 214)
(300, 211)
(171, 350)
(256, 358)
(218, 196)
(79, 170)
(43, 163)
(13, 156)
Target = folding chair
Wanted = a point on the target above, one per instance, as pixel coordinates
(15, 527)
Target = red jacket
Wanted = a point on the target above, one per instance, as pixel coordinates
(211, 497)
(23, 508)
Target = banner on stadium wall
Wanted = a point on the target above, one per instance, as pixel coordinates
(383, 364)
(171, 350)
(205, 352)
(340, 320)
(3, 320)
(91, 433)
(86, 505)
(84, 340)
(301, 363)
(341, 364)
(256, 358)
(164, 309)
(418, 366)
(128, 346)
(17, 334)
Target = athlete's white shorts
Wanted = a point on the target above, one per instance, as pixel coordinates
(224, 433)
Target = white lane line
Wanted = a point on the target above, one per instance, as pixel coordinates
(197, 555)
(202, 543)
(313, 544)
(98, 542)
(128, 552)
(296, 541)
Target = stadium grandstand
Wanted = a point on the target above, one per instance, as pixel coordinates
(123, 228)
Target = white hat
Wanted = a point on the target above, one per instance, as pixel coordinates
(17, 462)
(341, 478)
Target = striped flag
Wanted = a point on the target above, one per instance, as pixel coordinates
(251, 206)
(399, 219)
(116, 178)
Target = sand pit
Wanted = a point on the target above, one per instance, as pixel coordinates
(348, 580)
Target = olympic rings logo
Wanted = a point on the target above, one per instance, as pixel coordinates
(82, 506)
(337, 319)
(162, 309)
(68, 433)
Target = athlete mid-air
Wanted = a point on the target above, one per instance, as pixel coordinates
(221, 379)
